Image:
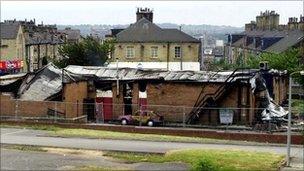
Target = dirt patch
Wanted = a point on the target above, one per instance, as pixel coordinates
(85, 153)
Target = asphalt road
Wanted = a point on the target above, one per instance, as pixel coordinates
(12, 159)
(41, 138)
(34, 137)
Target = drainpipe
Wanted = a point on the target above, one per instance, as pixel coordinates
(39, 60)
(181, 60)
(168, 55)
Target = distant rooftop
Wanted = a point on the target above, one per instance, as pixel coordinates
(146, 31)
(9, 30)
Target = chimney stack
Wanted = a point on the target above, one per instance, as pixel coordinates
(292, 23)
(301, 23)
(144, 13)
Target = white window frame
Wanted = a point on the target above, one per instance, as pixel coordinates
(177, 54)
(154, 52)
(130, 52)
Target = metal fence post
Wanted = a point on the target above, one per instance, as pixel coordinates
(16, 110)
(184, 117)
(140, 115)
(55, 119)
(269, 127)
(102, 112)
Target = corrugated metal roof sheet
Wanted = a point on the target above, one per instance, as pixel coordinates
(103, 73)
(8, 79)
(42, 84)
(48, 81)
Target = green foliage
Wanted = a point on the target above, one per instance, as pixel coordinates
(288, 60)
(89, 51)
(209, 160)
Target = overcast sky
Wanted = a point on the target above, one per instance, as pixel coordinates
(234, 13)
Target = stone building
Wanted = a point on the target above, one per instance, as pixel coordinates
(265, 35)
(70, 35)
(12, 48)
(144, 44)
(40, 47)
(36, 43)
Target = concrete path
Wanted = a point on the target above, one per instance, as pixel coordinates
(34, 137)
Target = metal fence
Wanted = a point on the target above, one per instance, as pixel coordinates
(167, 115)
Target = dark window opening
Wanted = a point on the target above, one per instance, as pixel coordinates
(127, 98)
(89, 109)
(142, 85)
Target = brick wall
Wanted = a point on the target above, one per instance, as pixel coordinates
(7, 105)
(73, 95)
(172, 100)
(20, 108)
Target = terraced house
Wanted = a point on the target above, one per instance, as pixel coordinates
(144, 44)
(265, 35)
(27, 46)
(12, 48)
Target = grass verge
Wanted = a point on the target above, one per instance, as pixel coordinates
(23, 147)
(209, 160)
(198, 159)
(100, 134)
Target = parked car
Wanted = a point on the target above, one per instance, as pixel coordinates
(148, 118)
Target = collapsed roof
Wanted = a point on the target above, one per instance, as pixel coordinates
(47, 81)
(42, 84)
(8, 79)
(110, 74)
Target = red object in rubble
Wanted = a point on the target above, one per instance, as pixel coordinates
(3, 65)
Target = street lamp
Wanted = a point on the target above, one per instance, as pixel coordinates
(289, 117)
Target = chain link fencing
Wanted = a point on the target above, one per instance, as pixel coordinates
(141, 115)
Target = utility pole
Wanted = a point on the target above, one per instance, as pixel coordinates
(202, 52)
(181, 57)
(117, 78)
(289, 116)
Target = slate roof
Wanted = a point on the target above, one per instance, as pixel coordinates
(42, 38)
(146, 31)
(290, 38)
(72, 34)
(9, 30)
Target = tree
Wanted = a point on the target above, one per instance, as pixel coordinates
(289, 60)
(87, 52)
